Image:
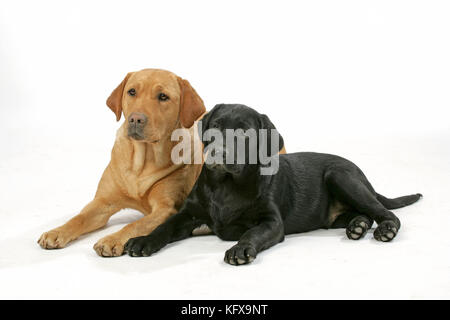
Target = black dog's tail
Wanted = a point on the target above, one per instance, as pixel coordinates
(398, 202)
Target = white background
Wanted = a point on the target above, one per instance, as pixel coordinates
(368, 80)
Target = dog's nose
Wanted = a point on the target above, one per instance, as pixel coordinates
(219, 151)
(137, 119)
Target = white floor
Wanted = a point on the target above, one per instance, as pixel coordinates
(47, 177)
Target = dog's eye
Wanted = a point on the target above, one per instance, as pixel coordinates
(132, 92)
(162, 97)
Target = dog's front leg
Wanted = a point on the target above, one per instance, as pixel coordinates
(266, 234)
(112, 245)
(94, 216)
(176, 228)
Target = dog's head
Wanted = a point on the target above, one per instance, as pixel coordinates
(248, 140)
(154, 103)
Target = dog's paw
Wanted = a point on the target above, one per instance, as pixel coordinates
(386, 231)
(142, 246)
(54, 239)
(357, 228)
(109, 246)
(240, 254)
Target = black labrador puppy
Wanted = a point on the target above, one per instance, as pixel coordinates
(310, 191)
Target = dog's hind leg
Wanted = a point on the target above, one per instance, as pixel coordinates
(356, 224)
(352, 188)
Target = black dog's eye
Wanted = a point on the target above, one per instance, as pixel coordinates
(162, 97)
(132, 92)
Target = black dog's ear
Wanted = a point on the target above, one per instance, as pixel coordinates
(205, 121)
(203, 125)
(265, 123)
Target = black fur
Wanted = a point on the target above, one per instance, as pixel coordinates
(239, 204)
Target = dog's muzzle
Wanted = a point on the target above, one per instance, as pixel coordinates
(136, 125)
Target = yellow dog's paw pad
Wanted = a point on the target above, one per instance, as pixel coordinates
(53, 239)
(109, 247)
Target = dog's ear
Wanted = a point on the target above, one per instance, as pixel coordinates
(206, 118)
(265, 123)
(114, 101)
(205, 121)
(191, 105)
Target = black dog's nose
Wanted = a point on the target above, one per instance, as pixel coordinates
(220, 152)
(137, 119)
